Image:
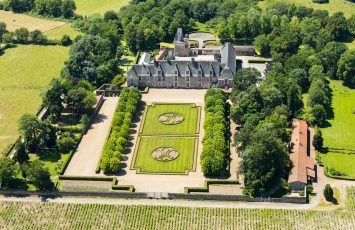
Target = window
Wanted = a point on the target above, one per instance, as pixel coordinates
(176, 78)
(140, 78)
(199, 72)
(147, 72)
(159, 72)
(187, 72)
(176, 72)
(188, 85)
(211, 72)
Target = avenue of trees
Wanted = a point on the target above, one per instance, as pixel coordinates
(215, 152)
(48, 8)
(113, 151)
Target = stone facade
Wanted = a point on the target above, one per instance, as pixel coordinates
(181, 69)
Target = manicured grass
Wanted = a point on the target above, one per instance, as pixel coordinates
(52, 159)
(202, 27)
(333, 6)
(14, 21)
(25, 71)
(340, 161)
(146, 163)
(341, 132)
(58, 32)
(88, 7)
(51, 215)
(152, 125)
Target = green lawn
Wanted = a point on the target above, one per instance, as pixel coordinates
(146, 163)
(341, 132)
(58, 32)
(25, 72)
(51, 159)
(342, 162)
(333, 6)
(88, 7)
(152, 125)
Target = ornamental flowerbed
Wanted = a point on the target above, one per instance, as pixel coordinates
(116, 143)
(215, 150)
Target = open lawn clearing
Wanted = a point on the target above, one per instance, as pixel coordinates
(15, 21)
(184, 146)
(153, 124)
(333, 6)
(340, 133)
(58, 32)
(25, 71)
(88, 7)
(342, 162)
(46, 215)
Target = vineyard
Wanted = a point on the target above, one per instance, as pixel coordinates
(350, 197)
(32, 215)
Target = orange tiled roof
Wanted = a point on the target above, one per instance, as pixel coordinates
(303, 165)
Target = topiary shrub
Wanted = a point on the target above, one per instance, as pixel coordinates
(328, 192)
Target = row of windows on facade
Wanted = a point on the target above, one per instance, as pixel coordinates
(162, 78)
(176, 72)
(187, 84)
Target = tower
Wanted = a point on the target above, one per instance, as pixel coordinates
(181, 44)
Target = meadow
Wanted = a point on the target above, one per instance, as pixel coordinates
(88, 7)
(58, 32)
(350, 197)
(25, 72)
(333, 6)
(152, 125)
(146, 163)
(15, 21)
(48, 215)
(340, 133)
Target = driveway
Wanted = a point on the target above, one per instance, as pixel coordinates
(201, 37)
(88, 153)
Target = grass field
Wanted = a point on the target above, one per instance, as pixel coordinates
(152, 125)
(146, 163)
(58, 32)
(333, 6)
(25, 72)
(341, 132)
(15, 21)
(88, 7)
(340, 161)
(48, 215)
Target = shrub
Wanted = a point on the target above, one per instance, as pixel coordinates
(117, 140)
(320, 1)
(65, 40)
(328, 192)
(66, 144)
(215, 152)
(309, 189)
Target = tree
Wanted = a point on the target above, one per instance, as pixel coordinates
(301, 77)
(21, 35)
(294, 98)
(8, 171)
(68, 8)
(318, 140)
(80, 100)
(30, 128)
(66, 144)
(346, 68)
(268, 151)
(37, 37)
(328, 192)
(338, 26)
(330, 56)
(21, 155)
(36, 173)
(262, 44)
(245, 78)
(319, 114)
(53, 98)
(65, 40)
(2, 29)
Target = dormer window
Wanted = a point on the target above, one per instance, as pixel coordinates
(147, 72)
(187, 72)
(176, 72)
(159, 72)
(211, 72)
(199, 72)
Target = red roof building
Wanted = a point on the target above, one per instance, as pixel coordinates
(303, 165)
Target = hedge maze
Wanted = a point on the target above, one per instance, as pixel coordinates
(168, 139)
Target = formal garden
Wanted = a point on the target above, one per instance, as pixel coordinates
(168, 139)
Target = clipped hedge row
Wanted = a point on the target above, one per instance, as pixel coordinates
(206, 187)
(116, 142)
(215, 152)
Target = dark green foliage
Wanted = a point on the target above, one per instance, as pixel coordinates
(8, 171)
(346, 68)
(318, 140)
(65, 40)
(215, 152)
(113, 151)
(38, 175)
(319, 114)
(2, 29)
(51, 8)
(330, 56)
(66, 144)
(328, 192)
(21, 154)
(337, 26)
(320, 1)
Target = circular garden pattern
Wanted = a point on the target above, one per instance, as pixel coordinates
(165, 154)
(171, 118)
